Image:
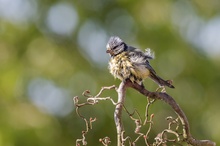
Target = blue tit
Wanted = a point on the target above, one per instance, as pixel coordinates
(127, 62)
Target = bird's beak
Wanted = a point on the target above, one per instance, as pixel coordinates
(108, 51)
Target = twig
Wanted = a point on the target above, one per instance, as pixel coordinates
(91, 100)
(147, 109)
(146, 136)
(105, 141)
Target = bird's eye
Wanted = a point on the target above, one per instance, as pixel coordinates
(115, 47)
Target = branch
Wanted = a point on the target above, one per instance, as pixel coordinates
(160, 96)
(118, 113)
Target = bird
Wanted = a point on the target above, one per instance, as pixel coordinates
(127, 62)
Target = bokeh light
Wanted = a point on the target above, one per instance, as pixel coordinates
(62, 19)
(92, 39)
(50, 98)
(120, 23)
(201, 33)
(18, 11)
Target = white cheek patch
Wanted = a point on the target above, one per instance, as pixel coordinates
(108, 47)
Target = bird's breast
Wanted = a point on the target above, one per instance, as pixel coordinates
(122, 67)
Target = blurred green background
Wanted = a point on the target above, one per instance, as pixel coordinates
(51, 51)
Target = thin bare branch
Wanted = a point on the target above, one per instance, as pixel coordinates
(105, 141)
(91, 100)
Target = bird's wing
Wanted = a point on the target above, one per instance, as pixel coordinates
(138, 57)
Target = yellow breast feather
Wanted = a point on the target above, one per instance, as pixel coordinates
(122, 68)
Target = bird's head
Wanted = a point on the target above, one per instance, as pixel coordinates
(115, 46)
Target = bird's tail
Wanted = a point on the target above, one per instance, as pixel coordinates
(161, 81)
